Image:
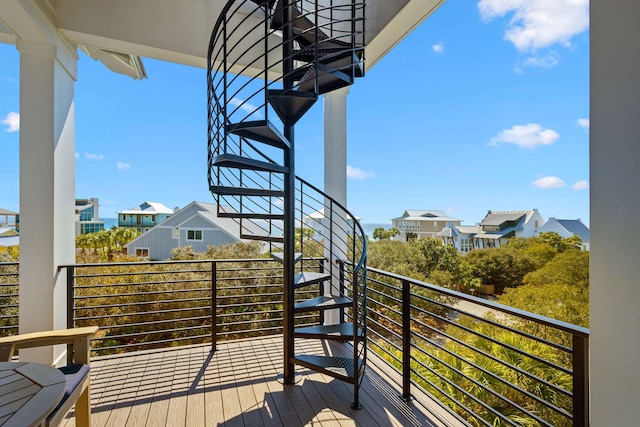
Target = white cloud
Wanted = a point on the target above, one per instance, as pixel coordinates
(549, 182)
(247, 107)
(12, 120)
(438, 47)
(123, 166)
(452, 209)
(91, 156)
(581, 185)
(547, 61)
(357, 173)
(536, 24)
(583, 123)
(77, 154)
(525, 136)
(107, 201)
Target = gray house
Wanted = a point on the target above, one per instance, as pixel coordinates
(196, 225)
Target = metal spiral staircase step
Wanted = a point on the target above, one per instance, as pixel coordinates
(300, 20)
(308, 278)
(251, 215)
(323, 302)
(279, 256)
(262, 238)
(260, 130)
(291, 105)
(239, 162)
(340, 332)
(223, 190)
(337, 367)
(328, 79)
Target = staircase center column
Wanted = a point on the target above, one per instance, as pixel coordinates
(335, 178)
(47, 187)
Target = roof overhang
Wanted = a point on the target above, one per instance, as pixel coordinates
(119, 32)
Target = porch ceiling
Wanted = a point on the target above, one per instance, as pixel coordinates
(176, 30)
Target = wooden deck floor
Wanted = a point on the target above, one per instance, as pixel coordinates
(238, 386)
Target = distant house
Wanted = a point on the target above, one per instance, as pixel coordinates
(9, 219)
(144, 217)
(196, 225)
(567, 228)
(421, 224)
(87, 217)
(459, 236)
(9, 239)
(498, 227)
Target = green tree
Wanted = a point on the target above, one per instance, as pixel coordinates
(501, 267)
(561, 243)
(559, 290)
(381, 234)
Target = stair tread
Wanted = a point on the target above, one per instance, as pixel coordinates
(342, 331)
(239, 162)
(307, 278)
(290, 106)
(323, 302)
(279, 256)
(328, 79)
(250, 215)
(260, 130)
(339, 367)
(244, 191)
(262, 238)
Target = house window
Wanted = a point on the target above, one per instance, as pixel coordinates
(194, 234)
(435, 225)
(176, 233)
(144, 252)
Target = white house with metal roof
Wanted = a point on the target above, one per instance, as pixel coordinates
(197, 225)
(144, 216)
(459, 236)
(421, 224)
(497, 227)
(567, 228)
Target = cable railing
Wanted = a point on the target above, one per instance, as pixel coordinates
(147, 305)
(8, 298)
(487, 363)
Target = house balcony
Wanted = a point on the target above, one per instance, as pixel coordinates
(199, 343)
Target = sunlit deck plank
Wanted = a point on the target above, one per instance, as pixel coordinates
(237, 386)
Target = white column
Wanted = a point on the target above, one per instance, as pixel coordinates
(47, 187)
(615, 207)
(335, 176)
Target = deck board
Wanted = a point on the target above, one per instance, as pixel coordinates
(240, 385)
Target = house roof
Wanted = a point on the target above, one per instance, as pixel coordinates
(148, 208)
(7, 212)
(9, 241)
(574, 226)
(7, 231)
(497, 218)
(425, 215)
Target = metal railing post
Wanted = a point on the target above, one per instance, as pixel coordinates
(70, 309)
(406, 340)
(214, 306)
(580, 380)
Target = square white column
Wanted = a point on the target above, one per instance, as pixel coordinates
(47, 188)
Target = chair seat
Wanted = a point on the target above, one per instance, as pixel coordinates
(74, 375)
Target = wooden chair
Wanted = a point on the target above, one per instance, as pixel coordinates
(76, 375)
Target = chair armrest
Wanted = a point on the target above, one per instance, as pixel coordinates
(79, 337)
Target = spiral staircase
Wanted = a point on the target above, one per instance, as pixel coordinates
(268, 62)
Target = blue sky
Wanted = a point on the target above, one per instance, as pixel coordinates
(484, 106)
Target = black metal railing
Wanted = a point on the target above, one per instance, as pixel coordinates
(8, 298)
(148, 305)
(489, 364)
